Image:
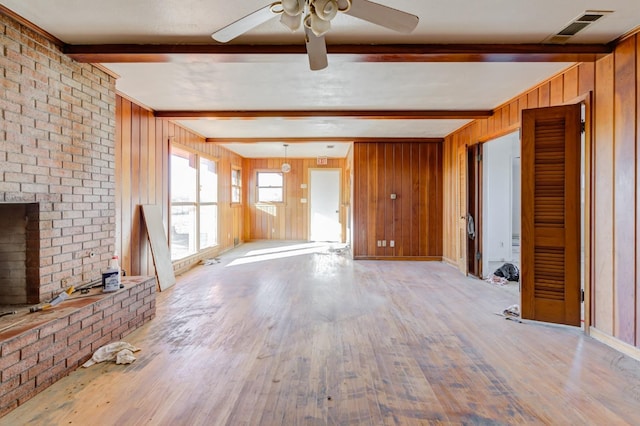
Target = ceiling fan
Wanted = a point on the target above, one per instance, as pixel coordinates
(315, 16)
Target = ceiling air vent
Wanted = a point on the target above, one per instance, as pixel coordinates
(580, 23)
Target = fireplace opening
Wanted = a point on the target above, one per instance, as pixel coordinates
(19, 254)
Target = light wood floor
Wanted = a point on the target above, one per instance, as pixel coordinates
(318, 339)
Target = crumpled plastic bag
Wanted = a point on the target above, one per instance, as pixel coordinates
(110, 352)
(125, 356)
(513, 311)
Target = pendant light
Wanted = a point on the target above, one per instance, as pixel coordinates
(286, 167)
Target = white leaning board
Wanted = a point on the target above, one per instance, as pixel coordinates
(159, 246)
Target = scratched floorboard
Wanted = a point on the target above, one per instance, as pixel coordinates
(318, 339)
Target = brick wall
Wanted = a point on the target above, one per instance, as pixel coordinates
(57, 141)
(35, 358)
(57, 161)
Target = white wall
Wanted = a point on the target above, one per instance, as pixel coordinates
(499, 206)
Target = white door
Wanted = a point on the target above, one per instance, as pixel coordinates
(324, 205)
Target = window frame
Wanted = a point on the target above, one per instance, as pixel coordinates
(237, 170)
(258, 187)
(197, 204)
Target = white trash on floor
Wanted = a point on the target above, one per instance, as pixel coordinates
(121, 352)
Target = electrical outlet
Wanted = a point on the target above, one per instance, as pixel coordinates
(384, 243)
(379, 243)
(64, 282)
(392, 243)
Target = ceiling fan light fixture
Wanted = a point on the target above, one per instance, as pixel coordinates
(291, 22)
(293, 7)
(344, 5)
(326, 9)
(319, 26)
(286, 167)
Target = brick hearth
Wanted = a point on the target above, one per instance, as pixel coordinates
(45, 346)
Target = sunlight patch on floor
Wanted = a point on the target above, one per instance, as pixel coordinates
(282, 252)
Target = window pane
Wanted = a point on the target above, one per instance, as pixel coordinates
(269, 179)
(236, 177)
(208, 226)
(208, 181)
(183, 176)
(270, 195)
(183, 231)
(235, 194)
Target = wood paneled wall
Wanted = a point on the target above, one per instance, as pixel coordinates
(567, 87)
(412, 171)
(142, 177)
(613, 164)
(288, 220)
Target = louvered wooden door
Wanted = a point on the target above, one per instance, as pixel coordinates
(550, 257)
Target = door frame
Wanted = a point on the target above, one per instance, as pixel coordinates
(588, 268)
(474, 203)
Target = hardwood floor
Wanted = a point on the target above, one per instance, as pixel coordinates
(309, 338)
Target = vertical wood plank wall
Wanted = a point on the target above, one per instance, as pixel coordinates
(142, 177)
(614, 82)
(412, 171)
(288, 220)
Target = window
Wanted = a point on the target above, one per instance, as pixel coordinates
(208, 206)
(194, 203)
(236, 185)
(270, 187)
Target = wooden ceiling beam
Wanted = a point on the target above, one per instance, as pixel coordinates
(238, 53)
(355, 114)
(322, 140)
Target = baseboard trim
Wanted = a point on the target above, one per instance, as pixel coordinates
(416, 258)
(615, 343)
(449, 262)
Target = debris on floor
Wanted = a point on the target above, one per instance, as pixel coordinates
(513, 310)
(207, 262)
(125, 356)
(509, 271)
(511, 313)
(494, 279)
(121, 352)
(504, 274)
(339, 250)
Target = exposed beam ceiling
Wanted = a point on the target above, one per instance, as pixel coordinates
(320, 139)
(463, 60)
(353, 114)
(157, 53)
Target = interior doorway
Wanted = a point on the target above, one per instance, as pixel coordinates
(501, 207)
(474, 210)
(324, 205)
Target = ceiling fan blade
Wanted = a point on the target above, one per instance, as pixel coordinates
(316, 50)
(244, 24)
(384, 16)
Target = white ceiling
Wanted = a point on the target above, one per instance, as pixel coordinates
(199, 83)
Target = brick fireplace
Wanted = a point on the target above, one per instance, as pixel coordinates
(57, 165)
(57, 213)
